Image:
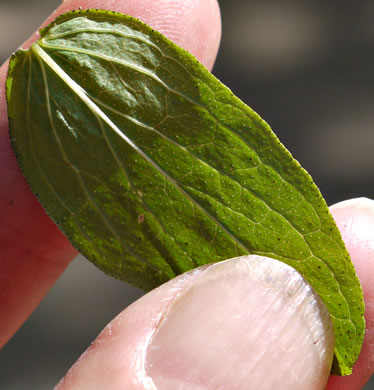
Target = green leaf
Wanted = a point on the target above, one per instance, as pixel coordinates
(152, 167)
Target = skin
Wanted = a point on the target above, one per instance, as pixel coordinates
(34, 252)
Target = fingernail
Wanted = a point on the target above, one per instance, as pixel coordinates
(246, 323)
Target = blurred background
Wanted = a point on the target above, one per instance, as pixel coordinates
(305, 67)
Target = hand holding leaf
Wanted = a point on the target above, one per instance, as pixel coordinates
(152, 167)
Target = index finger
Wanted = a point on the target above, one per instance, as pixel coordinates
(33, 251)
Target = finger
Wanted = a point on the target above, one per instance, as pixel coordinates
(355, 219)
(238, 324)
(32, 250)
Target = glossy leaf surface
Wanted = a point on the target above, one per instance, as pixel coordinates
(152, 167)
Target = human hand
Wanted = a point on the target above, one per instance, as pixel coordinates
(40, 256)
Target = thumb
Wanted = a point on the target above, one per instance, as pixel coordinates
(246, 323)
